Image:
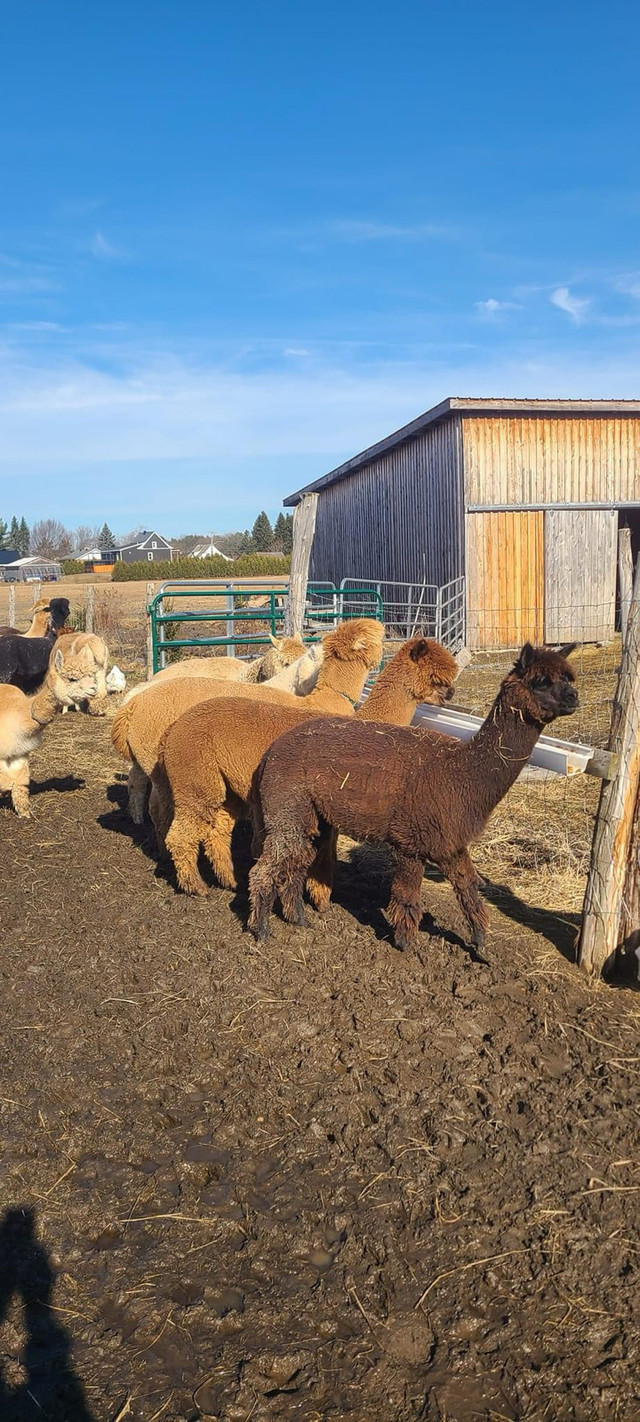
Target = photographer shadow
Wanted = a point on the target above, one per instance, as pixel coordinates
(50, 1388)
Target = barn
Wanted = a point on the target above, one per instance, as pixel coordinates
(515, 503)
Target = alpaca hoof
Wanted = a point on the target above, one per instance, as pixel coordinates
(194, 888)
(259, 931)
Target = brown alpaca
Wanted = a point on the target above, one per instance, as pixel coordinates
(425, 795)
(207, 760)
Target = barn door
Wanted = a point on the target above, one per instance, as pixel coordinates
(580, 574)
(505, 579)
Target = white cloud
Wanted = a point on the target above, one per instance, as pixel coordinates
(105, 251)
(491, 307)
(575, 306)
(296, 351)
(348, 230)
(629, 284)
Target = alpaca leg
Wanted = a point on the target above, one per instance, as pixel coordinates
(321, 873)
(282, 872)
(19, 786)
(464, 878)
(404, 911)
(183, 843)
(137, 787)
(160, 811)
(216, 840)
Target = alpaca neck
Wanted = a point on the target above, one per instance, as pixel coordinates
(343, 680)
(255, 668)
(491, 762)
(44, 705)
(389, 700)
(39, 626)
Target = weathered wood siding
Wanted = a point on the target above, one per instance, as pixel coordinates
(398, 518)
(580, 554)
(540, 460)
(505, 579)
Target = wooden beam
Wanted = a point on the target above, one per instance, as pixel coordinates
(304, 523)
(608, 899)
(625, 567)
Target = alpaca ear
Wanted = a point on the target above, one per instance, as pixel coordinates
(58, 659)
(275, 641)
(420, 650)
(567, 649)
(525, 659)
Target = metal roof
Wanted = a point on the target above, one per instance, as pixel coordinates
(469, 406)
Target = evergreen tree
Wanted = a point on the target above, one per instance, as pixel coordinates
(262, 533)
(105, 537)
(4, 530)
(14, 533)
(24, 538)
(287, 536)
(279, 531)
(245, 544)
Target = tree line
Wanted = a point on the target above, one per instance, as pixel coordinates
(48, 538)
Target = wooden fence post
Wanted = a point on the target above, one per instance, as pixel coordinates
(12, 605)
(148, 601)
(609, 897)
(37, 589)
(304, 523)
(625, 568)
(90, 609)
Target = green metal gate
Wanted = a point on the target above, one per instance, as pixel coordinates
(326, 606)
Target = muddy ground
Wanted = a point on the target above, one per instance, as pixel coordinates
(321, 1181)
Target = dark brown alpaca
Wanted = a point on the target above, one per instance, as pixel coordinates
(425, 795)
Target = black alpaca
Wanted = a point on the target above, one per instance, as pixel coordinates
(24, 660)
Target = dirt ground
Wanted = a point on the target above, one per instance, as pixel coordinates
(322, 1181)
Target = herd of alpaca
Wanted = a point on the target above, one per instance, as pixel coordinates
(287, 741)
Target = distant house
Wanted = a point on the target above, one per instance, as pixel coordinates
(30, 570)
(146, 548)
(208, 550)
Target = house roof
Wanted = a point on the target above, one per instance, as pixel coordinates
(31, 560)
(8, 555)
(141, 540)
(467, 405)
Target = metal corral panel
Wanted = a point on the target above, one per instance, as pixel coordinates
(399, 518)
(580, 551)
(515, 461)
(505, 579)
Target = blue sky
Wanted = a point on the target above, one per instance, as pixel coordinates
(239, 243)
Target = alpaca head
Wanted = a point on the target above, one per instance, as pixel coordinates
(432, 670)
(282, 652)
(542, 684)
(59, 612)
(359, 639)
(72, 678)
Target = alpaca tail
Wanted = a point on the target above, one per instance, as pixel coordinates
(120, 729)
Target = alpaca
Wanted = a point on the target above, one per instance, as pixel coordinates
(140, 722)
(283, 652)
(73, 642)
(69, 680)
(40, 616)
(207, 759)
(425, 795)
(23, 659)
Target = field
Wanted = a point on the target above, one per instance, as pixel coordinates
(323, 1180)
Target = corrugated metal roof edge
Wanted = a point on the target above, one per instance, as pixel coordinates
(457, 404)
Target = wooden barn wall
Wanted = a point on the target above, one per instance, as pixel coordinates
(542, 460)
(396, 517)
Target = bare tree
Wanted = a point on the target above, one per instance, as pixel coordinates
(50, 539)
(85, 536)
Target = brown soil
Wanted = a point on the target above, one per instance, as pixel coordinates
(322, 1181)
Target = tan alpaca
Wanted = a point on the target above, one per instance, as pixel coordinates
(142, 720)
(283, 652)
(39, 622)
(207, 760)
(69, 680)
(72, 643)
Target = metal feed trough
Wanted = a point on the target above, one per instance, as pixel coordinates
(550, 753)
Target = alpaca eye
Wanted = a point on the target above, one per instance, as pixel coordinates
(542, 683)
